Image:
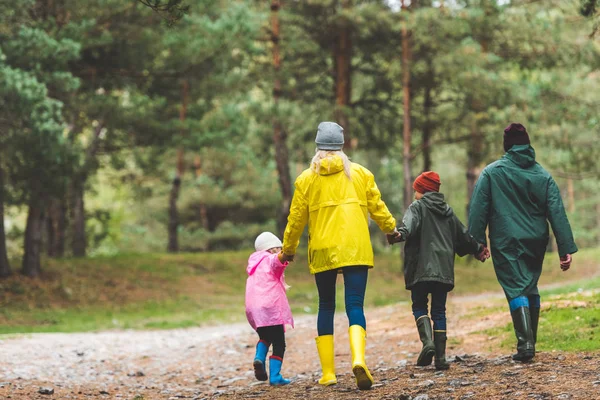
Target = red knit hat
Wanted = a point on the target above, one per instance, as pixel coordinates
(428, 181)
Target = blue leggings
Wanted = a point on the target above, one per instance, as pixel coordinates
(355, 284)
(439, 294)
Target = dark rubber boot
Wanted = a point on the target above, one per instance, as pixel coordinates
(535, 318)
(439, 340)
(426, 335)
(524, 332)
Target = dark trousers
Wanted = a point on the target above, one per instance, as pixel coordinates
(439, 294)
(274, 335)
(355, 285)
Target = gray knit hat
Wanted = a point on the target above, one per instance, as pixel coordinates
(330, 136)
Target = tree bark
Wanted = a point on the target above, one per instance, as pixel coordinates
(78, 239)
(5, 269)
(571, 195)
(473, 161)
(406, 133)
(598, 221)
(342, 57)
(49, 243)
(202, 212)
(279, 133)
(56, 224)
(33, 239)
(427, 126)
(77, 192)
(173, 244)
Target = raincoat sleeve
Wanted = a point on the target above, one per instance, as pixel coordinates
(297, 220)
(277, 266)
(464, 242)
(559, 221)
(410, 222)
(377, 208)
(479, 208)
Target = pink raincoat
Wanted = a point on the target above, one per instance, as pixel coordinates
(266, 302)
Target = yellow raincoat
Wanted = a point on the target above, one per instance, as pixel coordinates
(336, 210)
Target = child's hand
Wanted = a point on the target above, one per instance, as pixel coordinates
(285, 257)
(394, 237)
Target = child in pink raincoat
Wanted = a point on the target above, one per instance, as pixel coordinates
(267, 307)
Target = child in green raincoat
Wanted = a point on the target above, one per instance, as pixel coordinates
(433, 235)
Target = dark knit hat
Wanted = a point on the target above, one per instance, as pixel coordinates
(428, 181)
(515, 134)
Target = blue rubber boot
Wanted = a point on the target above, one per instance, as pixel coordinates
(275, 378)
(260, 359)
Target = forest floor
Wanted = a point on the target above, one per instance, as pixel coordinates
(216, 362)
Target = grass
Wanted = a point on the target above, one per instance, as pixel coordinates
(568, 322)
(162, 291)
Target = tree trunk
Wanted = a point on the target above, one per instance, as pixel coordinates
(202, 212)
(571, 195)
(427, 126)
(60, 228)
(279, 134)
(406, 133)
(4, 264)
(342, 57)
(473, 161)
(173, 227)
(598, 221)
(33, 239)
(56, 224)
(78, 239)
(173, 245)
(49, 231)
(77, 189)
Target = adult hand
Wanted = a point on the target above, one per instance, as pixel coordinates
(565, 262)
(394, 237)
(484, 254)
(285, 257)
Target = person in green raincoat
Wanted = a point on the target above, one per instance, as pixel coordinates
(516, 197)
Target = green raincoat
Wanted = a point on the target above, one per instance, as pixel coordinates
(433, 235)
(516, 196)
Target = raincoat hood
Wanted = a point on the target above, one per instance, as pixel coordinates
(331, 165)
(255, 259)
(522, 155)
(434, 201)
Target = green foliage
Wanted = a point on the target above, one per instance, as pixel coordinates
(173, 10)
(97, 87)
(32, 74)
(160, 291)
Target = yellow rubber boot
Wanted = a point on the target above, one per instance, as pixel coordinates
(358, 342)
(326, 355)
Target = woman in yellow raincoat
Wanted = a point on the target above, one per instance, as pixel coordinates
(335, 197)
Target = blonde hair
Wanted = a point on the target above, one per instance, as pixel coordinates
(315, 164)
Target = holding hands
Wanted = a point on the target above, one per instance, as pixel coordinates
(285, 257)
(394, 237)
(484, 253)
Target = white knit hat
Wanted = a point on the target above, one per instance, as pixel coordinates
(266, 241)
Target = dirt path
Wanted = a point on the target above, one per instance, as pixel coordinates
(215, 362)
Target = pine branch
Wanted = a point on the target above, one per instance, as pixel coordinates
(171, 10)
